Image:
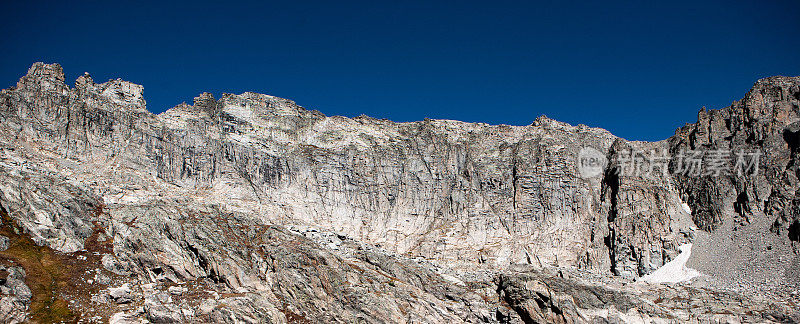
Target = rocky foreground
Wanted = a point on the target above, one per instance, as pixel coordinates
(252, 209)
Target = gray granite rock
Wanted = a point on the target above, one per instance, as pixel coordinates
(264, 211)
(15, 296)
(3, 243)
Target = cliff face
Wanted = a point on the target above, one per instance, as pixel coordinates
(293, 215)
(445, 190)
(751, 220)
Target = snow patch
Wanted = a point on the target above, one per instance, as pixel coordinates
(675, 270)
(686, 208)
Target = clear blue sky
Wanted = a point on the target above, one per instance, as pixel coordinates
(637, 68)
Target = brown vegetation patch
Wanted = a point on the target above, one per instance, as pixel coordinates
(292, 317)
(55, 278)
(45, 274)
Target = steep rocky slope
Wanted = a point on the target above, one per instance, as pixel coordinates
(251, 208)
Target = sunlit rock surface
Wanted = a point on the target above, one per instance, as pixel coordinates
(251, 208)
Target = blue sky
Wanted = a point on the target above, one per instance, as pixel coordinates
(637, 68)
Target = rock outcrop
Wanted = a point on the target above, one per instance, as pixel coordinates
(251, 208)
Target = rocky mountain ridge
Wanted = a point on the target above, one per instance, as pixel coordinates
(252, 208)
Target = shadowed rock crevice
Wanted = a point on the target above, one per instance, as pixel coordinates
(794, 231)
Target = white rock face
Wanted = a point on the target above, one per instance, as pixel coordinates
(121, 294)
(461, 193)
